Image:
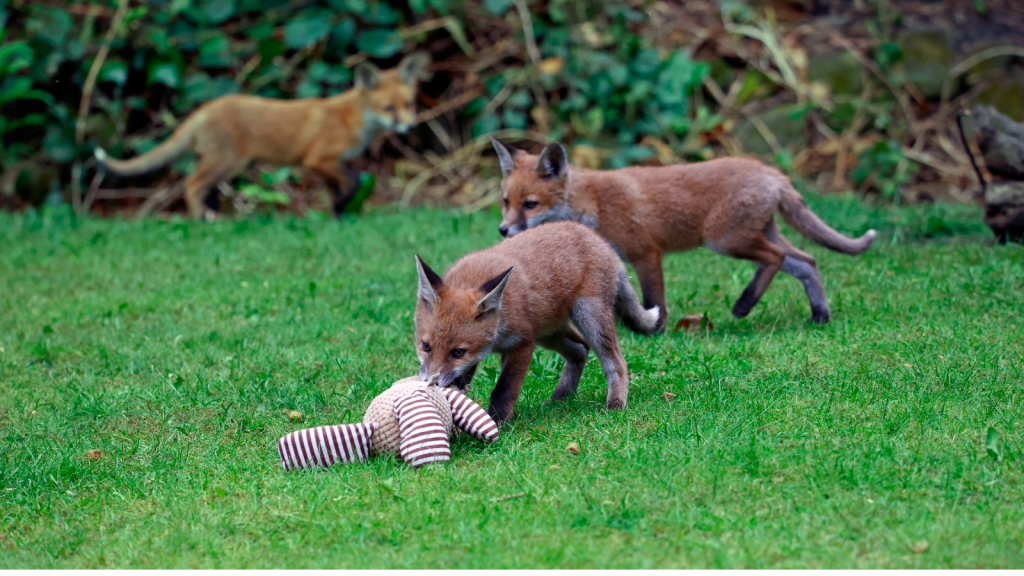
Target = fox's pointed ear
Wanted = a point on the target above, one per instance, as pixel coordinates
(367, 76)
(505, 154)
(553, 163)
(429, 283)
(414, 67)
(493, 288)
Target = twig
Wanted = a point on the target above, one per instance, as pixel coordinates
(248, 69)
(461, 156)
(86, 101)
(94, 71)
(766, 133)
(284, 71)
(531, 41)
(845, 43)
(448, 22)
(970, 153)
(508, 497)
(161, 198)
(458, 101)
(531, 48)
(972, 61)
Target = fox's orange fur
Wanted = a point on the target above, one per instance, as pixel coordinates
(318, 133)
(559, 286)
(727, 205)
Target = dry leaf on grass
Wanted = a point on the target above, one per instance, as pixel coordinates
(93, 454)
(295, 416)
(573, 448)
(920, 546)
(692, 322)
(668, 396)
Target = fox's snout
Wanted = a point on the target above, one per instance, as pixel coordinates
(510, 231)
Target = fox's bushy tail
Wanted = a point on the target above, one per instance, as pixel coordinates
(631, 311)
(796, 213)
(168, 151)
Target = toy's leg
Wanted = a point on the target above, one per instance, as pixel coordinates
(470, 417)
(325, 445)
(424, 438)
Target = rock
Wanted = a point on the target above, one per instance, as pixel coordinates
(840, 71)
(1001, 141)
(1004, 210)
(1005, 94)
(927, 58)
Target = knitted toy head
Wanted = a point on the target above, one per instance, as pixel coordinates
(412, 418)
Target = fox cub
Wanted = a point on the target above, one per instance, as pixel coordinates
(319, 133)
(727, 205)
(523, 292)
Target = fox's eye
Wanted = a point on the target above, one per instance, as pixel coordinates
(389, 108)
(458, 353)
(505, 200)
(529, 205)
(426, 348)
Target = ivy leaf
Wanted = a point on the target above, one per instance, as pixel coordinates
(50, 24)
(218, 11)
(514, 119)
(380, 42)
(497, 7)
(341, 34)
(380, 13)
(215, 52)
(14, 57)
(486, 124)
(199, 87)
(309, 27)
(164, 73)
(646, 62)
(57, 146)
(114, 71)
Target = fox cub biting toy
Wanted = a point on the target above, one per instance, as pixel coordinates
(413, 418)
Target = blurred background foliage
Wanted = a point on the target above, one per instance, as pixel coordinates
(840, 95)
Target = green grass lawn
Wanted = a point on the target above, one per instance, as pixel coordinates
(891, 437)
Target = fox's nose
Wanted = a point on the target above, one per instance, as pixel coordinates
(503, 230)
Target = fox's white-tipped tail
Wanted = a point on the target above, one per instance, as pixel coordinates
(654, 313)
(100, 154)
(631, 311)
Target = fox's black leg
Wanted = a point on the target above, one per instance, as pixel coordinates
(344, 189)
(515, 364)
(212, 198)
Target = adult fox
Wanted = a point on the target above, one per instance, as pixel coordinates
(319, 133)
(523, 292)
(727, 205)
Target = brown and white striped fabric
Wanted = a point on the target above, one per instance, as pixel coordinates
(470, 417)
(325, 445)
(424, 438)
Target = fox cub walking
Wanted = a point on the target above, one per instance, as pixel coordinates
(523, 292)
(319, 133)
(727, 205)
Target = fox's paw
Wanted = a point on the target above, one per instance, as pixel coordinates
(821, 317)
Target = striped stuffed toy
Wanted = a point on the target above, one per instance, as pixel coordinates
(412, 418)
